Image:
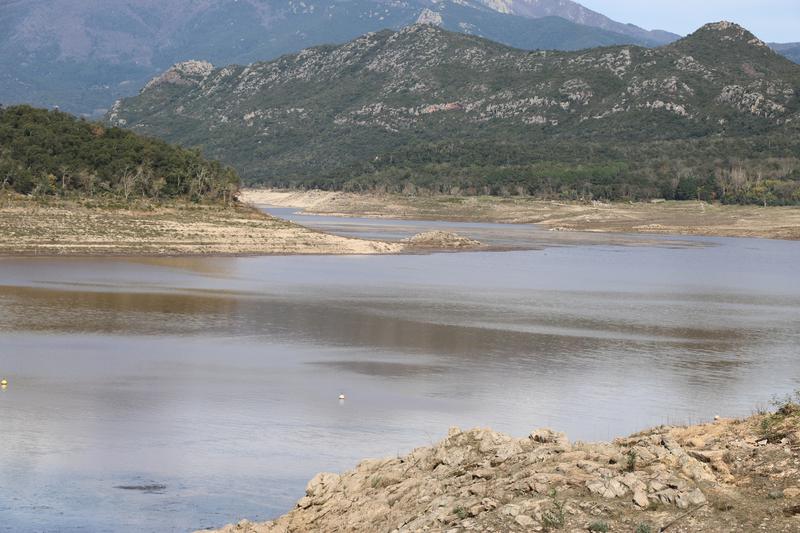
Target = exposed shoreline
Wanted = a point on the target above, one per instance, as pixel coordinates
(87, 228)
(664, 218)
(57, 228)
(30, 227)
(728, 475)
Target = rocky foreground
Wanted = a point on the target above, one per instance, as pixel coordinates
(730, 475)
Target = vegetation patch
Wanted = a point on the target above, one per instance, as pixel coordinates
(50, 153)
(780, 424)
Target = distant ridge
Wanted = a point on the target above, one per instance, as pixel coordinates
(578, 14)
(83, 55)
(788, 50)
(442, 110)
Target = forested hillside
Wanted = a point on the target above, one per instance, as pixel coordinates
(714, 116)
(50, 152)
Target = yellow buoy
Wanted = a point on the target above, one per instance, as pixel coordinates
(3, 382)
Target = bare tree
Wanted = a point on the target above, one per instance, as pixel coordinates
(87, 181)
(127, 183)
(144, 178)
(65, 178)
(200, 183)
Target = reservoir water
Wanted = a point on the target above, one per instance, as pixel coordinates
(169, 394)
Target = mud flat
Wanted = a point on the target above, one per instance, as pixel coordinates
(729, 475)
(61, 227)
(677, 218)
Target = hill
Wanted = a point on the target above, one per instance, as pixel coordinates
(789, 50)
(49, 152)
(83, 55)
(712, 115)
(73, 187)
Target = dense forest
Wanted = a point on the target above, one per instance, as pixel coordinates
(53, 153)
(741, 171)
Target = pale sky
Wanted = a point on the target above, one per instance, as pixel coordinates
(770, 20)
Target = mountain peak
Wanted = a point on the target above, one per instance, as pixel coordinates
(730, 31)
(722, 25)
(428, 16)
(189, 72)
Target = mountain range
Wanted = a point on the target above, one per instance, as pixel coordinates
(574, 12)
(424, 102)
(788, 50)
(82, 56)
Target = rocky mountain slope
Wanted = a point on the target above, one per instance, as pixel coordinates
(83, 55)
(727, 476)
(423, 97)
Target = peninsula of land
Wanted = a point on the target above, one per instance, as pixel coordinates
(105, 227)
(68, 227)
(673, 217)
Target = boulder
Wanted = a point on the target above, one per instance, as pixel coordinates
(548, 436)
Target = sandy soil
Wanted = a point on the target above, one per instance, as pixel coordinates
(677, 218)
(29, 227)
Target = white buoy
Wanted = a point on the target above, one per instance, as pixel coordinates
(341, 396)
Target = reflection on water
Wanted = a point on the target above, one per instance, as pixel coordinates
(171, 394)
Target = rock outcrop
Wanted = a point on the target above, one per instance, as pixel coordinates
(186, 73)
(441, 240)
(727, 476)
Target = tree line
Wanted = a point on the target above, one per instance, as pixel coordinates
(46, 153)
(760, 170)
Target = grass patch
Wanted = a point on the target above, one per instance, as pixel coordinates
(630, 461)
(779, 424)
(554, 518)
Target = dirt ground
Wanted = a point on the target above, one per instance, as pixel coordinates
(62, 227)
(677, 218)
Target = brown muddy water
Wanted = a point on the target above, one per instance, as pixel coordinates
(172, 394)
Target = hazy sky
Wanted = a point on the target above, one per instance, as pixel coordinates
(771, 20)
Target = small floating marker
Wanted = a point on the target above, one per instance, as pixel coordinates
(341, 396)
(3, 383)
